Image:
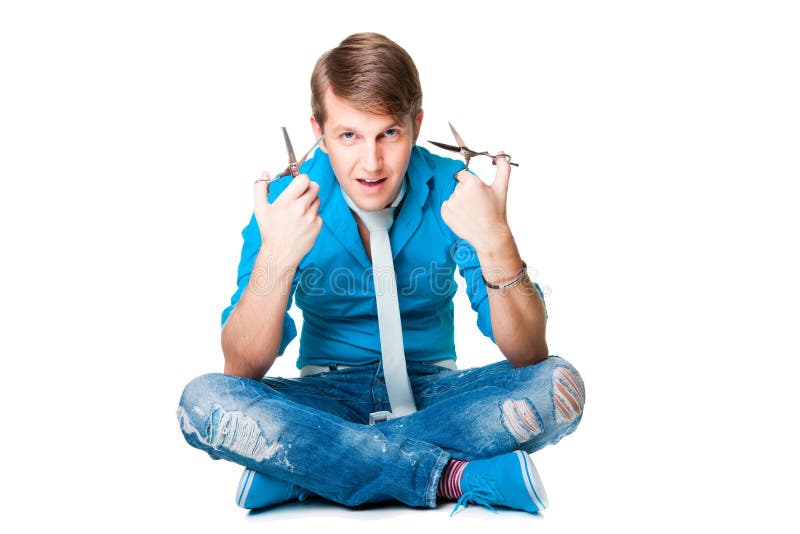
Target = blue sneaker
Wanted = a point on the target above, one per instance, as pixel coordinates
(257, 490)
(509, 480)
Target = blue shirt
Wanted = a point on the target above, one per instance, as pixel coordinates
(333, 285)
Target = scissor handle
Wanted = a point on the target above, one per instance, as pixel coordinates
(506, 156)
(267, 181)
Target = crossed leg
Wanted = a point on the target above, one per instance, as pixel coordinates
(301, 434)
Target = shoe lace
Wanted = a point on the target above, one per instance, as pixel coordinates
(482, 492)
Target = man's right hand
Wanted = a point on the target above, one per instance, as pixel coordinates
(290, 225)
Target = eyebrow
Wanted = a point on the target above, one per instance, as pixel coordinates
(343, 128)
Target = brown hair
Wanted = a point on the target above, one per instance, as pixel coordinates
(373, 73)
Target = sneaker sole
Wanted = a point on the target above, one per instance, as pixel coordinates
(532, 481)
(244, 487)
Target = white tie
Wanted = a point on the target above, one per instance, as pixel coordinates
(395, 374)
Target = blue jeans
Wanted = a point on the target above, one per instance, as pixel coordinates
(313, 431)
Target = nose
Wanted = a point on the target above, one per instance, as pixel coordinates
(371, 158)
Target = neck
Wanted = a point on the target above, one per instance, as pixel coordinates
(394, 204)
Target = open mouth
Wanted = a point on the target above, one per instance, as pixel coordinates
(371, 183)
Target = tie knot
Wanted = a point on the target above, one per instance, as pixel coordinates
(376, 221)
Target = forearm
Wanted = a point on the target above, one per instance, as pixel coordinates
(517, 312)
(252, 334)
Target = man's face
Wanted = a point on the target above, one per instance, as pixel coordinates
(369, 153)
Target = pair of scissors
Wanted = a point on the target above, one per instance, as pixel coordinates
(294, 166)
(469, 153)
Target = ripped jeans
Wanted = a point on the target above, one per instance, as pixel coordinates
(313, 431)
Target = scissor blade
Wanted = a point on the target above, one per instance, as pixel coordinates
(288, 169)
(458, 137)
(445, 146)
(310, 150)
(289, 148)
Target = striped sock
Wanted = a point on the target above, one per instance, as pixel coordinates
(450, 481)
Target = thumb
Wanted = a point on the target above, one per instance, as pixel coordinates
(260, 192)
(500, 184)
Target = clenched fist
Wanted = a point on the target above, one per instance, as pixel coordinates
(290, 225)
(476, 212)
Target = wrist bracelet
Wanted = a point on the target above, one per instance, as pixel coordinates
(504, 285)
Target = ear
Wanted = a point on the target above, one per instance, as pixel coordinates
(418, 124)
(317, 133)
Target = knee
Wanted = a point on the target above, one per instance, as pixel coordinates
(569, 393)
(562, 380)
(216, 415)
(201, 389)
(198, 395)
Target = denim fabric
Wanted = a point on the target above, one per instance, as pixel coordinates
(313, 431)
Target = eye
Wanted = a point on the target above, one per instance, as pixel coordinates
(348, 136)
(391, 132)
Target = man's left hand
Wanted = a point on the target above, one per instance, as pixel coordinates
(475, 211)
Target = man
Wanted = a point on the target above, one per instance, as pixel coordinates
(339, 431)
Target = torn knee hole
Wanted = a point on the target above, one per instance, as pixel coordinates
(568, 395)
(238, 433)
(521, 419)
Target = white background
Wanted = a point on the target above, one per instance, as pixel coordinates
(656, 201)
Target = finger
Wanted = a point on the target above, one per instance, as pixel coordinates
(313, 208)
(456, 191)
(502, 175)
(309, 196)
(265, 177)
(260, 192)
(464, 177)
(297, 187)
